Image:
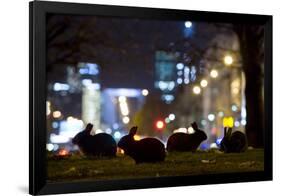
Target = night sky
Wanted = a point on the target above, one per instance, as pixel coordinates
(123, 47)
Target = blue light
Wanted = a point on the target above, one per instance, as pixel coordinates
(179, 81)
(168, 98)
(188, 24)
(93, 68)
(89, 69)
(55, 125)
(117, 135)
(218, 141)
(180, 66)
(60, 87)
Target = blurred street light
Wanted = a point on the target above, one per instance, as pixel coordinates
(211, 117)
(196, 90)
(172, 116)
(228, 60)
(188, 24)
(144, 92)
(214, 73)
(56, 114)
(203, 83)
(160, 124)
(126, 120)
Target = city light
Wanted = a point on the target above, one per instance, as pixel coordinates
(108, 131)
(56, 114)
(186, 81)
(144, 92)
(98, 131)
(188, 24)
(221, 113)
(137, 137)
(243, 122)
(211, 117)
(214, 73)
(168, 98)
(48, 110)
(234, 108)
(160, 124)
(243, 112)
(180, 66)
(167, 120)
(196, 90)
(179, 80)
(50, 147)
(190, 130)
(126, 120)
(237, 124)
(228, 60)
(63, 152)
(203, 83)
(55, 125)
(172, 116)
(122, 99)
(115, 126)
(228, 122)
(123, 105)
(117, 135)
(180, 73)
(58, 139)
(213, 146)
(203, 122)
(180, 130)
(60, 87)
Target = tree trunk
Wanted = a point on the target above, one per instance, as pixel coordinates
(251, 45)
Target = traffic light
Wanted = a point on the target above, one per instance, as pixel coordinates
(160, 124)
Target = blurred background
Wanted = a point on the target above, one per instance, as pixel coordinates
(158, 75)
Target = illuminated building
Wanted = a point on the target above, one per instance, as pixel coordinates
(91, 95)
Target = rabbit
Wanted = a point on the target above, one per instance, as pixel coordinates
(184, 142)
(101, 144)
(233, 142)
(145, 150)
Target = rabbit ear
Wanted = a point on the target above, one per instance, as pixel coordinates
(229, 132)
(89, 127)
(133, 131)
(194, 126)
(225, 131)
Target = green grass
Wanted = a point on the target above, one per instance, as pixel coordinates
(78, 168)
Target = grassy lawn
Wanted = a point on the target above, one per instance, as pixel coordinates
(80, 168)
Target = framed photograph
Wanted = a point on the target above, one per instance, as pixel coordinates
(130, 97)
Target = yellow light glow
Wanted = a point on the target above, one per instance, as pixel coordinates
(228, 60)
(214, 73)
(203, 83)
(56, 114)
(196, 90)
(137, 138)
(228, 122)
(48, 108)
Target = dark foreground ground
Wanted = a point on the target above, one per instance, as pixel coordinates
(75, 167)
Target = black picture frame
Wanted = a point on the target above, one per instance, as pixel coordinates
(37, 100)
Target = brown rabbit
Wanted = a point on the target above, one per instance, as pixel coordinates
(101, 144)
(186, 142)
(144, 150)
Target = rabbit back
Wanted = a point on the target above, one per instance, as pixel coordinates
(148, 150)
(101, 144)
(238, 142)
(182, 142)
